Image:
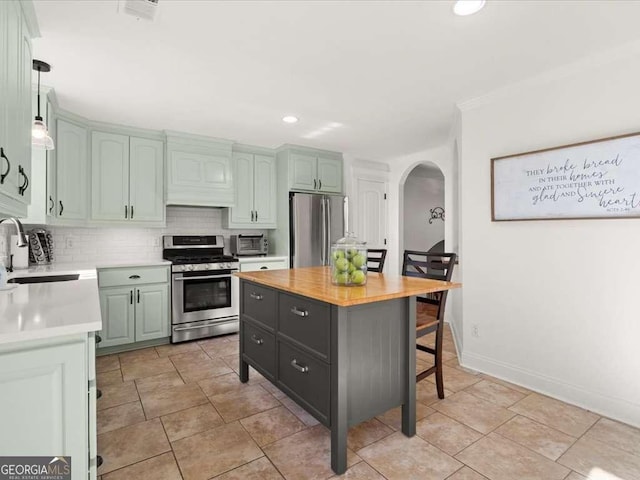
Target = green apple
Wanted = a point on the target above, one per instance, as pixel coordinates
(358, 277)
(351, 252)
(338, 254)
(358, 260)
(342, 278)
(342, 264)
(352, 268)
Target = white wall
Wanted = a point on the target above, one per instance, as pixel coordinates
(423, 191)
(556, 302)
(107, 244)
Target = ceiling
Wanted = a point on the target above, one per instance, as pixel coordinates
(374, 79)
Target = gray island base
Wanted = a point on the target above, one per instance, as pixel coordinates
(342, 364)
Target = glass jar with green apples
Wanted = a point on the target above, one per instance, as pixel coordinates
(349, 262)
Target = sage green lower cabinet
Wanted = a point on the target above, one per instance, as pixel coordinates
(135, 304)
(47, 404)
(152, 312)
(118, 314)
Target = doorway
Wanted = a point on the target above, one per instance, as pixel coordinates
(423, 209)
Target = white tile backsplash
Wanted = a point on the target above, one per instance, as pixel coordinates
(123, 244)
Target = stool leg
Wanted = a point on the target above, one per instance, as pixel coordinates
(438, 362)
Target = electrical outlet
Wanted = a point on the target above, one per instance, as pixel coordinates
(475, 330)
(68, 242)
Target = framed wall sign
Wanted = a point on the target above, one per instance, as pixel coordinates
(597, 179)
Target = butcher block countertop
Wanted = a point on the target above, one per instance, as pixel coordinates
(315, 282)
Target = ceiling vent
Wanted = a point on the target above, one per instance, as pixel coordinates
(145, 9)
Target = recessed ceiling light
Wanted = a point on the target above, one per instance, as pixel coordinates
(468, 7)
(290, 119)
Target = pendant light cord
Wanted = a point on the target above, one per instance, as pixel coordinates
(39, 92)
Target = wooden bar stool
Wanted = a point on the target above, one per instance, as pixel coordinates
(435, 266)
(375, 259)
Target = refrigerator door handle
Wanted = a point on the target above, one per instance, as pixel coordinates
(328, 244)
(323, 249)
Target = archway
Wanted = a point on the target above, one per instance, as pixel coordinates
(422, 211)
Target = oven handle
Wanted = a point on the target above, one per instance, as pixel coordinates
(194, 327)
(207, 277)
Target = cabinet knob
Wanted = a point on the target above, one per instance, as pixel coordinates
(256, 340)
(255, 296)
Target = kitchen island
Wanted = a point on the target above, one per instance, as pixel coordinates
(345, 354)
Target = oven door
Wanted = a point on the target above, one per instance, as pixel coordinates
(204, 296)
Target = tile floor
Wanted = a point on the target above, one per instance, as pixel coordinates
(179, 412)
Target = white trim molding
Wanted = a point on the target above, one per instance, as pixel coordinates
(596, 402)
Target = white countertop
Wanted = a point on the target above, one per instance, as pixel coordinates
(84, 269)
(44, 310)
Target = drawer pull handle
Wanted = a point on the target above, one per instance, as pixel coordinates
(134, 277)
(264, 268)
(256, 340)
(297, 366)
(300, 313)
(255, 296)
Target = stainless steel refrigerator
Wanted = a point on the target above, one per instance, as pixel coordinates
(316, 221)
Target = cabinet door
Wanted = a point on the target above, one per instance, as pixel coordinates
(303, 172)
(152, 312)
(329, 175)
(3, 81)
(71, 167)
(265, 191)
(117, 309)
(146, 180)
(243, 174)
(43, 406)
(12, 60)
(25, 120)
(200, 179)
(52, 198)
(110, 176)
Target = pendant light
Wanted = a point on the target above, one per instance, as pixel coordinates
(40, 137)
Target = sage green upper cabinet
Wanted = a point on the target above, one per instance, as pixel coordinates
(71, 171)
(110, 176)
(146, 180)
(127, 178)
(311, 169)
(330, 175)
(303, 172)
(200, 171)
(15, 109)
(255, 192)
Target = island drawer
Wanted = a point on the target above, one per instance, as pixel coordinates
(116, 277)
(259, 303)
(306, 321)
(259, 346)
(306, 376)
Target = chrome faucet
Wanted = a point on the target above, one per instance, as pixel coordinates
(22, 240)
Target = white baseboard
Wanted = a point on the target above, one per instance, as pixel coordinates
(607, 406)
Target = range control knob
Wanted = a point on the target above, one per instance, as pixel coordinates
(188, 268)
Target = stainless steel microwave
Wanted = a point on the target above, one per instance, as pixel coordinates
(244, 245)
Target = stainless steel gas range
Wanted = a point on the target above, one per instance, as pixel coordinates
(203, 298)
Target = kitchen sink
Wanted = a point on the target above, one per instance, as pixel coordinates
(45, 278)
